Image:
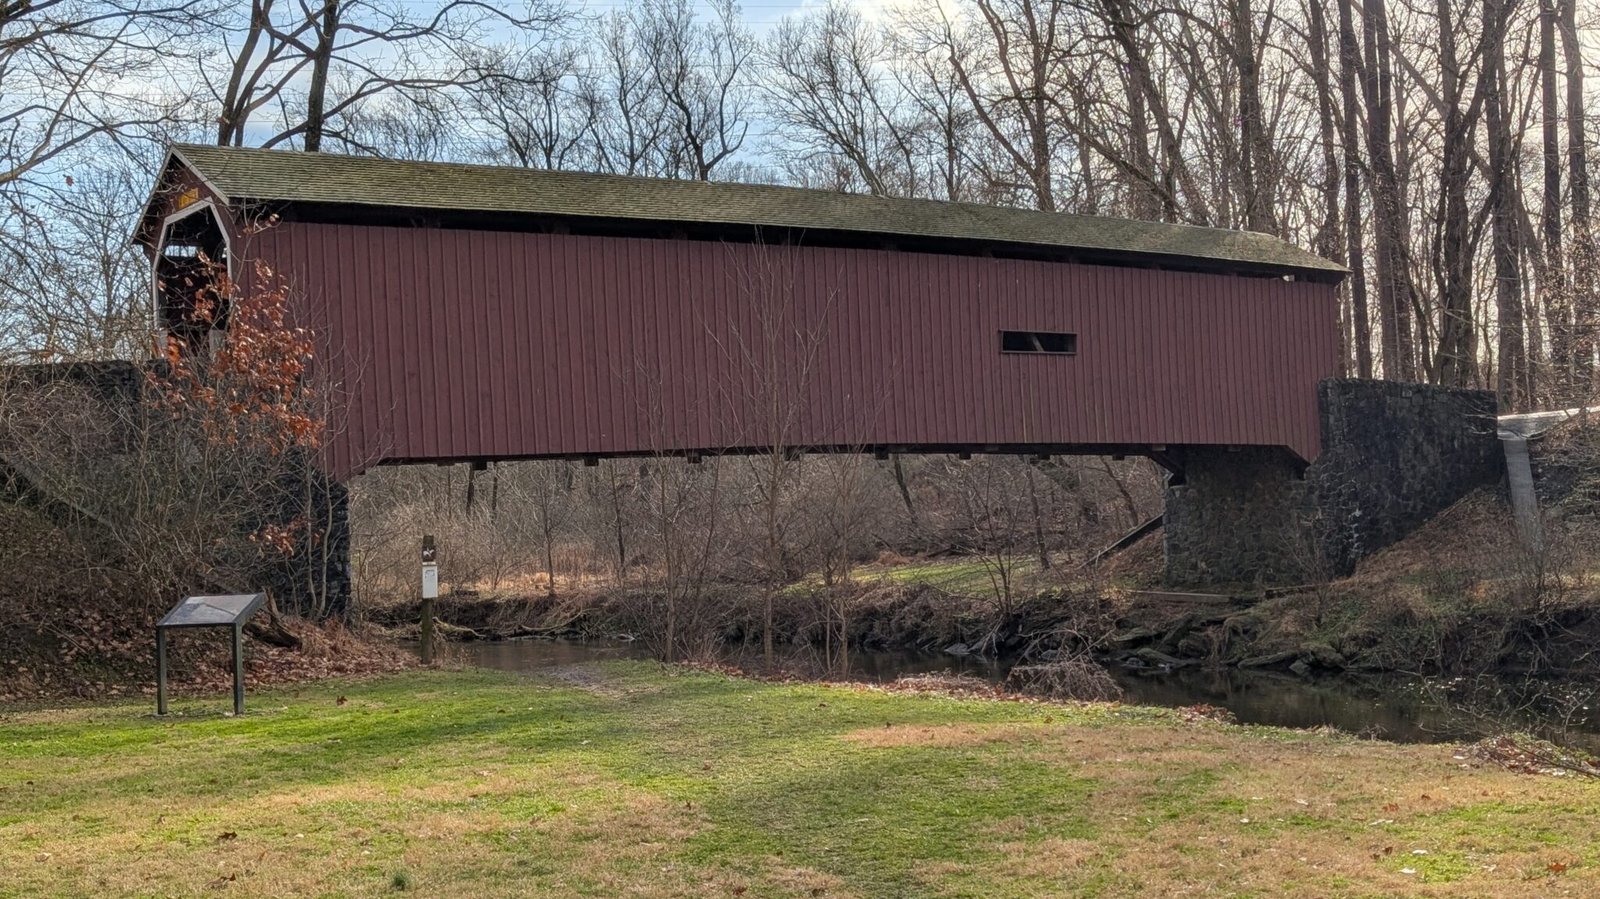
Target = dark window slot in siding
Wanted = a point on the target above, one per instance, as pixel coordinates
(1054, 343)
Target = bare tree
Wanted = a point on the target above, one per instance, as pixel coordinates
(630, 127)
(67, 70)
(991, 524)
(367, 48)
(1511, 380)
(1006, 76)
(683, 507)
(1585, 255)
(1456, 361)
(835, 87)
(74, 289)
(1389, 219)
(1181, 189)
(772, 343)
(422, 126)
(700, 71)
(612, 494)
(537, 107)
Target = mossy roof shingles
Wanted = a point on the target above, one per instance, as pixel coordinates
(293, 177)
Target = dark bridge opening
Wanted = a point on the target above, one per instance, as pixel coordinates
(191, 305)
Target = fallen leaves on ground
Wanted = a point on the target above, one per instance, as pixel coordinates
(1525, 754)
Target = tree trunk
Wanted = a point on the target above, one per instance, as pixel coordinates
(1511, 380)
(1255, 145)
(618, 535)
(1455, 362)
(905, 492)
(1326, 240)
(1040, 549)
(549, 556)
(269, 629)
(1582, 262)
(1144, 199)
(317, 92)
(1557, 299)
(1355, 239)
(1394, 283)
(1125, 31)
(231, 120)
(844, 635)
(1128, 504)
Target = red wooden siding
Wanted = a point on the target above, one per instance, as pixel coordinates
(456, 344)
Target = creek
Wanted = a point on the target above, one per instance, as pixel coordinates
(1389, 707)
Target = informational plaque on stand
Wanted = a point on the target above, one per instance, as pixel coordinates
(229, 610)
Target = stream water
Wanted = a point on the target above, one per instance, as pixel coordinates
(1405, 710)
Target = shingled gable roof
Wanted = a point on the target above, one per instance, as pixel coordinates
(249, 175)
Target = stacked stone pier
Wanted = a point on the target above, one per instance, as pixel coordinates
(1393, 456)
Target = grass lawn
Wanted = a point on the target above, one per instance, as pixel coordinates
(965, 576)
(958, 575)
(629, 780)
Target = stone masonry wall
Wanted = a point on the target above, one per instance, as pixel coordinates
(1234, 515)
(1394, 455)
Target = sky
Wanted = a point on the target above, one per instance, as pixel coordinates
(760, 15)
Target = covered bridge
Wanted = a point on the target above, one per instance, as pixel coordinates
(483, 313)
(475, 314)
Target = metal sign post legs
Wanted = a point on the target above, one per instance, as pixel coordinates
(238, 669)
(231, 611)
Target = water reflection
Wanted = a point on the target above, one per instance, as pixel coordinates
(532, 655)
(1390, 708)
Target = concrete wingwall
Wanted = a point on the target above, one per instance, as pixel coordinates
(1393, 456)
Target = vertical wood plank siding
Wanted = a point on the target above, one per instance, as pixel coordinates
(458, 344)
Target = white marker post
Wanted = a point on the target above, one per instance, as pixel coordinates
(430, 592)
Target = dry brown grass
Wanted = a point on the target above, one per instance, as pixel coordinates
(1475, 536)
(680, 785)
(942, 736)
(1324, 817)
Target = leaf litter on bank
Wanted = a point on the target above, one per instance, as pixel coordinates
(1527, 754)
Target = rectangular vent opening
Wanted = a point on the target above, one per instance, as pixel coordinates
(1058, 343)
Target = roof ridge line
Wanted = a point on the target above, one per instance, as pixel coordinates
(498, 168)
(331, 179)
